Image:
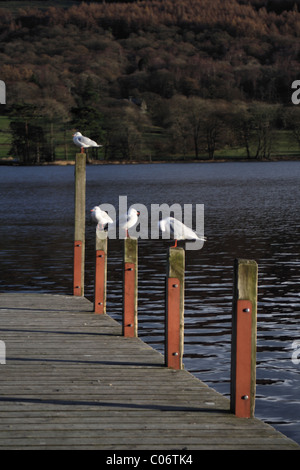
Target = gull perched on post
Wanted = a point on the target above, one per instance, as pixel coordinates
(178, 231)
(101, 217)
(128, 220)
(84, 142)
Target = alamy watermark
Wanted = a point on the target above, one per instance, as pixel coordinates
(147, 226)
(2, 353)
(2, 92)
(296, 93)
(296, 353)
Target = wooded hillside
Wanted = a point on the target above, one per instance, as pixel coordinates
(145, 76)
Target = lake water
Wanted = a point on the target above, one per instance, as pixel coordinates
(251, 211)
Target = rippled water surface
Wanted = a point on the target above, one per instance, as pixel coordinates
(251, 211)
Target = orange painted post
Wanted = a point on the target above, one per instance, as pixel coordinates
(130, 281)
(174, 337)
(77, 286)
(243, 352)
(172, 354)
(100, 273)
(79, 228)
(99, 281)
(129, 300)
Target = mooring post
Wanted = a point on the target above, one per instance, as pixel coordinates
(174, 321)
(100, 272)
(79, 229)
(243, 347)
(130, 287)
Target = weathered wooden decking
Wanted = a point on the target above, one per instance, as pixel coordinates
(71, 381)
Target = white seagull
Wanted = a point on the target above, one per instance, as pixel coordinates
(178, 231)
(101, 217)
(128, 220)
(84, 142)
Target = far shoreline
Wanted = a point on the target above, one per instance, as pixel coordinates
(283, 158)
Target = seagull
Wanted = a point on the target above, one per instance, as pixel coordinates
(126, 221)
(101, 217)
(84, 142)
(178, 231)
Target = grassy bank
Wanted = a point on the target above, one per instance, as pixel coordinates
(284, 146)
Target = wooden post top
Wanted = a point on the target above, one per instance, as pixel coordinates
(130, 250)
(101, 240)
(245, 282)
(176, 263)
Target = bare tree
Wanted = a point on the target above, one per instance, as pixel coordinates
(292, 122)
(263, 134)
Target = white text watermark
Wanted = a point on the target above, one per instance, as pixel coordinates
(296, 93)
(2, 92)
(296, 353)
(147, 226)
(2, 353)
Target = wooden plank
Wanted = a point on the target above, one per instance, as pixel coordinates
(72, 381)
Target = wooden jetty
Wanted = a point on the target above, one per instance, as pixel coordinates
(72, 380)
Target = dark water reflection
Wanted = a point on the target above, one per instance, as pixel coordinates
(251, 211)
